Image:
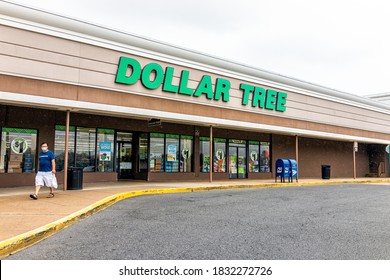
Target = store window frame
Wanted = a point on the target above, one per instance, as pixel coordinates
(217, 156)
(259, 144)
(172, 157)
(95, 153)
(189, 154)
(94, 167)
(253, 167)
(269, 156)
(203, 155)
(100, 161)
(25, 163)
(71, 154)
(162, 137)
(164, 154)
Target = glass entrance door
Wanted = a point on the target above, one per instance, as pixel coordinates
(233, 164)
(237, 162)
(125, 160)
(241, 170)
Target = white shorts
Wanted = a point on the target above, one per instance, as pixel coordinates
(47, 179)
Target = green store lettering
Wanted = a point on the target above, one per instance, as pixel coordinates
(153, 75)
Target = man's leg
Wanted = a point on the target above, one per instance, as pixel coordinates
(37, 188)
(35, 195)
(38, 185)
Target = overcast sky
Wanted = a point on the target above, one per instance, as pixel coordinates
(340, 44)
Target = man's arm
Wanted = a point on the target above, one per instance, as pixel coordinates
(53, 164)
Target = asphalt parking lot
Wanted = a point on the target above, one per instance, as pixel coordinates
(318, 222)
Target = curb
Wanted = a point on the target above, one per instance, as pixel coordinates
(22, 241)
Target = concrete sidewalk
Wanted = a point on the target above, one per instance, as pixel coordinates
(25, 221)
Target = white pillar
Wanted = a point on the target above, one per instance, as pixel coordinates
(354, 150)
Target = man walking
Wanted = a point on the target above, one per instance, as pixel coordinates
(46, 172)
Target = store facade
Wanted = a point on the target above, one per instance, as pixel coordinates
(132, 108)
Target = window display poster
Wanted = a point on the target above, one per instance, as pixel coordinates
(233, 164)
(241, 165)
(206, 163)
(19, 145)
(219, 161)
(28, 163)
(186, 153)
(105, 151)
(171, 153)
(254, 162)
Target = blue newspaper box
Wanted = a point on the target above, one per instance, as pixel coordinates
(293, 170)
(282, 167)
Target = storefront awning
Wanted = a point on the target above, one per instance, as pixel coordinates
(147, 114)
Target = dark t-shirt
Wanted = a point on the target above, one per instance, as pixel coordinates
(45, 161)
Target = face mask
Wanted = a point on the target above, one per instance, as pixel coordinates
(44, 149)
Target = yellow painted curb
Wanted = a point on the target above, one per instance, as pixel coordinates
(22, 241)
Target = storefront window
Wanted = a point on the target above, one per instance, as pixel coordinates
(204, 154)
(143, 152)
(157, 152)
(265, 157)
(86, 148)
(59, 146)
(90, 148)
(105, 150)
(18, 150)
(254, 156)
(172, 153)
(219, 155)
(185, 153)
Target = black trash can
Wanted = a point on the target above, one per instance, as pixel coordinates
(325, 171)
(75, 178)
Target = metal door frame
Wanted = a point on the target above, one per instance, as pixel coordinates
(237, 148)
(119, 145)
